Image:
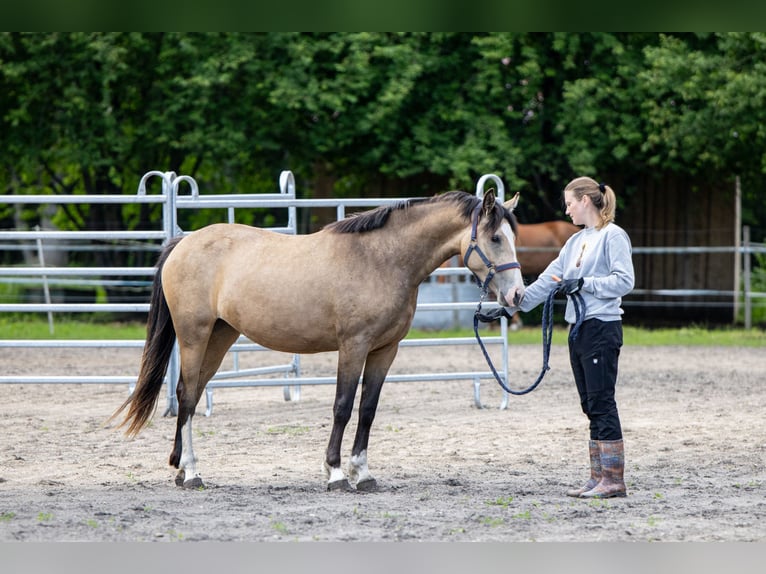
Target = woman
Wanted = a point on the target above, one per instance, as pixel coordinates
(595, 263)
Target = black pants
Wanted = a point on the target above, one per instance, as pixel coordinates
(594, 355)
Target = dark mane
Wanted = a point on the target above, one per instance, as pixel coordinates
(365, 221)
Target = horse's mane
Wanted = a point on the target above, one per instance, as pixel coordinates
(365, 221)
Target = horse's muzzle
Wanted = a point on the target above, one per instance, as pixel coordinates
(512, 298)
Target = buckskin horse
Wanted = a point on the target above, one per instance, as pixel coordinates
(350, 287)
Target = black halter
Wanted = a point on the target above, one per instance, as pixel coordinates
(474, 246)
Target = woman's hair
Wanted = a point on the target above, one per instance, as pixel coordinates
(601, 195)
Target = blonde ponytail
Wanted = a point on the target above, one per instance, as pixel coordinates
(601, 195)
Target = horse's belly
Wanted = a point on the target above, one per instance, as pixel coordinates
(280, 327)
(288, 341)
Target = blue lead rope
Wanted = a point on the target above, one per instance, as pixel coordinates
(547, 329)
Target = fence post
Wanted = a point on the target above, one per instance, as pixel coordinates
(500, 195)
(287, 188)
(171, 229)
(746, 277)
(737, 246)
(46, 288)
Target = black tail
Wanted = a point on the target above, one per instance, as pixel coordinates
(160, 337)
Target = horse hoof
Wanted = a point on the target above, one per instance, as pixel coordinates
(195, 483)
(180, 477)
(367, 485)
(341, 485)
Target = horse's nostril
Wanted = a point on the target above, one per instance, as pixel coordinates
(517, 297)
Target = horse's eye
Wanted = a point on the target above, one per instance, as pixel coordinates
(495, 239)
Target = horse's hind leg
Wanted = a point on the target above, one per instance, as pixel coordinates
(198, 365)
(375, 371)
(182, 456)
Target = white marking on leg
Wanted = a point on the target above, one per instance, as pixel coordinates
(333, 474)
(358, 470)
(188, 462)
(336, 474)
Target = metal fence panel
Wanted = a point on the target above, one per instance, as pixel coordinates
(291, 379)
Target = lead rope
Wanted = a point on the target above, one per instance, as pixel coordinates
(547, 329)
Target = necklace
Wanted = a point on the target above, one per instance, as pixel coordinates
(579, 259)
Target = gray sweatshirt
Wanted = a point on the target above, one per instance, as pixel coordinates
(602, 257)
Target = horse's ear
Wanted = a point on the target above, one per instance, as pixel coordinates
(489, 200)
(511, 204)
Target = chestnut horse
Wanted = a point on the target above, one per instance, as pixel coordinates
(350, 287)
(540, 244)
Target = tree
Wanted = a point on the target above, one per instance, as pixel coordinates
(376, 113)
(91, 112)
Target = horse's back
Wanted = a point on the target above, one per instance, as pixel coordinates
(221, 245)
(563, 230)
(545, 234)
(221, 272)
(202, 256)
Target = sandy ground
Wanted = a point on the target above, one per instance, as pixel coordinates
(447, 471)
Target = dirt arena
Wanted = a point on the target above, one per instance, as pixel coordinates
(693, 420)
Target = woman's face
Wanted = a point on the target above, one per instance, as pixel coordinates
(577, 209)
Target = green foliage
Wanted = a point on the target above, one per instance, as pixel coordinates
(371, 113)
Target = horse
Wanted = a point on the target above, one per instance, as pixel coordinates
(540, 244)
(350, 287)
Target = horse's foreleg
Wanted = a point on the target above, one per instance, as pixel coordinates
(349, 372)
(375, 371)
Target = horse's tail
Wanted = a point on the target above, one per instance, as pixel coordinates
(160, 337)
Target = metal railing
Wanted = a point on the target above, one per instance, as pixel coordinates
(291, 379)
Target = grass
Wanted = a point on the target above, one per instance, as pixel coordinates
(14, 328)
(11, 328)
(279, 527)
(504, 501)
(491, 521)
(633, 336)
(292, 430)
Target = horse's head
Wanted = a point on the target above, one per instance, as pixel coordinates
(489, 250)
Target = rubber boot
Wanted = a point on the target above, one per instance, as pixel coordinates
(595, 470)
(612, 469)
